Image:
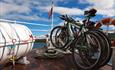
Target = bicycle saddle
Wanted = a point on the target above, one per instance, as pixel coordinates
(90, 13)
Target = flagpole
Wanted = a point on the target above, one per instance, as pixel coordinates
(52, 21)
(52, 16)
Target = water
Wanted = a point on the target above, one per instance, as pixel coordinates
(39, 45)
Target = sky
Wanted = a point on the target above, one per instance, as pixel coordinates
(35, 12)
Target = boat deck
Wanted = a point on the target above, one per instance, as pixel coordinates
(40, 63)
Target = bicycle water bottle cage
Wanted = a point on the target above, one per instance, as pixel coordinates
(90, 13)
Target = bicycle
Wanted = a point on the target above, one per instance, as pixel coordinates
(67, 30)
(67, 38)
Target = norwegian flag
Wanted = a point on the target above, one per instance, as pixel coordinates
(51, 11)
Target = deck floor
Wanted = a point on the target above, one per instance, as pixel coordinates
(61, 63)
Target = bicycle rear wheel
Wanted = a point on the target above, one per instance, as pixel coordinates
(87, 51)
(107, 48)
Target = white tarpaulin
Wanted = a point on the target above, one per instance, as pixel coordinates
(15, 40)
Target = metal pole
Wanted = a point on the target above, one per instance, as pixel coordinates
(52, 21)
(52, 15)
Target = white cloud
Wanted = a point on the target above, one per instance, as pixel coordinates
(64, 10)
(69, 11)
(82, 1)
(102, 4)
(107, 12)
(14, 9)
(34, 17)
(104, 7)
(8, 8)
(23, 17)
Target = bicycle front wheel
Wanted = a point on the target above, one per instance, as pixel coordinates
(59, 37)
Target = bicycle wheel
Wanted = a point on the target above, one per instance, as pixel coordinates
(107, 48)
(87, 51)
(59, 37)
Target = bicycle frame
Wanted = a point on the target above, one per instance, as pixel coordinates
(81, 30)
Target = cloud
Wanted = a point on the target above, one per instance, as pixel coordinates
(23, 17)
(34, 18)
(69, 11)
(104, 7)
(22, 9)
(102, 4)
(8, 8)
(82, 1)
(64, 10)
(107, 12)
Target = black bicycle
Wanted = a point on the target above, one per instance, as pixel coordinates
(85, 42)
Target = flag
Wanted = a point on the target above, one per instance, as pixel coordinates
(51, 11)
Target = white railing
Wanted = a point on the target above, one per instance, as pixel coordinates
(18, 22)
(27, 23)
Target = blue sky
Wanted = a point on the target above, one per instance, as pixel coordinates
(36, 11)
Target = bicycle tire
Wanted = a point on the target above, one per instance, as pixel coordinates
(108, 50)
(51, 37)
(95, 65)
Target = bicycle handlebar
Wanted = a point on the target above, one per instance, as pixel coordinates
(69, 19)
(89, 13)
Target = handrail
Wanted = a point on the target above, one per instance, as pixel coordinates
(39, 30)
(19, 22)
(28, 23)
